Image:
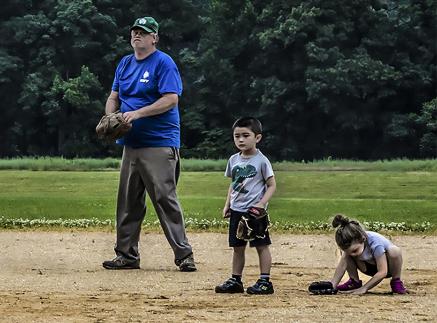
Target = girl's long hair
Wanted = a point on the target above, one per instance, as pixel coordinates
(348, 231)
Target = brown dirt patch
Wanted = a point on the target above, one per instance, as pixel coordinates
(57, 277)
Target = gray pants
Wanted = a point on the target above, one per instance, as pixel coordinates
(153, 171)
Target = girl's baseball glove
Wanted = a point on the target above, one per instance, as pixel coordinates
(322, 288)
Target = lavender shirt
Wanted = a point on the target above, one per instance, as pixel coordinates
(376, 246)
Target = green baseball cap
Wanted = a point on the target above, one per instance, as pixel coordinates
(148, 24)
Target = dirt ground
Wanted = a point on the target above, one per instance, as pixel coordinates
(57, 277)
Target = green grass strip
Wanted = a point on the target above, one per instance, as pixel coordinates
(301, 197)
(200, 165)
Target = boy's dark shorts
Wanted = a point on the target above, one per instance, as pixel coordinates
(235, 242)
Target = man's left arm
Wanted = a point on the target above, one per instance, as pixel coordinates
(163, 104)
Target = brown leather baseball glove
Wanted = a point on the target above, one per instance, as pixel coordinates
(254, 224)
(112, 126)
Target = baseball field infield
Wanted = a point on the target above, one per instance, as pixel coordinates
(57, 277)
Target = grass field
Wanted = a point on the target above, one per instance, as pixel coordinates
(302, 196)
(202, 165)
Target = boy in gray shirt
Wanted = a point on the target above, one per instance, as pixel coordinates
(253, 184)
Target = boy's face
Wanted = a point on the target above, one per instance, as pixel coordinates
(245, 139)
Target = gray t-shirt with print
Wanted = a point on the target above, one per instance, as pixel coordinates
(249, 176)
(375, 246)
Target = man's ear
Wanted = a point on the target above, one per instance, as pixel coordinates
(155, 38)
(258, 137)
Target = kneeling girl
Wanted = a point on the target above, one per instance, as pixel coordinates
(366, 251)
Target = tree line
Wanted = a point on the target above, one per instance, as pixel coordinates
(328, 79)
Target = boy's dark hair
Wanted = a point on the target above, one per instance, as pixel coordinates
(249, 122)
(348, 231)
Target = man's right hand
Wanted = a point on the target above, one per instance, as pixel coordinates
(131, 116)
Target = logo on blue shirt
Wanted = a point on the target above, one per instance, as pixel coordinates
(145, 76)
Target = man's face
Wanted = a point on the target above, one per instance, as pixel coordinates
(141, 39)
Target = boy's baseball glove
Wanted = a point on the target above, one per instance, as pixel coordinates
(254, 224)
(322, 288)
(112, 126)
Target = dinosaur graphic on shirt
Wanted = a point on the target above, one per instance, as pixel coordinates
(239, 174)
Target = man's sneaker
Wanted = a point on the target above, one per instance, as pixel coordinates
(350, 285)
(120, 262)
(262, 286)
(186, 264)
(230, 286)
(397, 286)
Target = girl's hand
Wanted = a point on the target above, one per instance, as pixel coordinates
(358, 291)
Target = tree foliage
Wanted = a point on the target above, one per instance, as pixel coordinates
(347, 79)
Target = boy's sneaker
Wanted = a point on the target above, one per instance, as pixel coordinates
(230, 286)
(350, 285)
(397, 286)
(120, 262)
(187, 264)
(262, 286)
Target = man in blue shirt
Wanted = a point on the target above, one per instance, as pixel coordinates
(146, 89)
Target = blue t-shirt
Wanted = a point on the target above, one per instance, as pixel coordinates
(140, 83)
